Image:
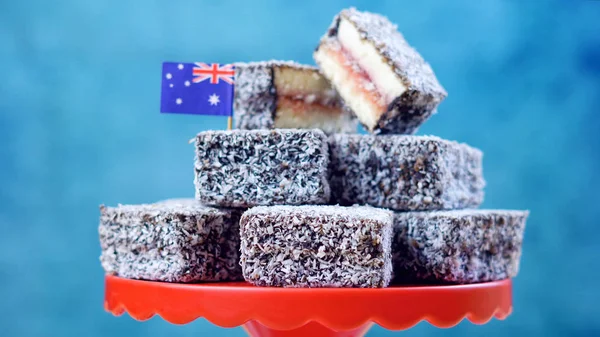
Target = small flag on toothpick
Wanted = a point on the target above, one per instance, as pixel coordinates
(198, 89)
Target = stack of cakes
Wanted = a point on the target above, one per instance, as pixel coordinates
(294, 197)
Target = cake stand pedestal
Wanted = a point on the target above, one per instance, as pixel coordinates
(322, 312)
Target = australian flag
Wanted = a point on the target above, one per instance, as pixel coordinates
(197, 88)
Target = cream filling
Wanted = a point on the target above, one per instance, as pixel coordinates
(382, 75)
(347, 88)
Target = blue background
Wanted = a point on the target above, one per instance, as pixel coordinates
(80, 126)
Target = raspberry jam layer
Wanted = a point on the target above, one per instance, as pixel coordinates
(352, 83)
(359, 79)
(301, 113)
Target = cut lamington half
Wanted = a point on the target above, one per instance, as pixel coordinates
(462, 246)
(316, 246)
(176, 240)
(287, 95)
(379, 76)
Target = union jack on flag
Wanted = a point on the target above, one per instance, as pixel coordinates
(197, 88)
(203, 71)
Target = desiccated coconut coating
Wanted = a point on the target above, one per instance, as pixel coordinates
(405, 172)
(244, 168)
(172, 241)
(316, 246)
(255, 99)
(462, 246)
(397, 114)
(286, 94)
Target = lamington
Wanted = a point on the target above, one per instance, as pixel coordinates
(176, 240)
(287, 95)
(460, 246)
(245, 168)
(379, 76)
(316, 246)
(405, 172)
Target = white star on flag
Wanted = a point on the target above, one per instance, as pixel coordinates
(213, 99)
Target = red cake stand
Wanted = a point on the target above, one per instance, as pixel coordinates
(323, 312)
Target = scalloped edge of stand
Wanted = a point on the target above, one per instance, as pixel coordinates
(291, 324)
